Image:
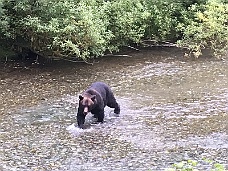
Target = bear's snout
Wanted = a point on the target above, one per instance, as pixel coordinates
(86, 110)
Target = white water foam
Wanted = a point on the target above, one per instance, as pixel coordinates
(77, 131)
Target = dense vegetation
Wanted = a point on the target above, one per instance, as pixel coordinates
(192, 165)
(88, 28)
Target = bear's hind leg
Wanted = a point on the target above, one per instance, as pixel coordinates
(113, 104)
(100, 116)
(117, 109)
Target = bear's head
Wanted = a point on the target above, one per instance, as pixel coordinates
(87, 103)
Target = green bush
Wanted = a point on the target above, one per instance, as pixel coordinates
(162, 20)
(79, 29)
(126, 21)
(85, 29)
(207, 29)
(4, 22)
(165, 16)
(192, 165)
(63, 28)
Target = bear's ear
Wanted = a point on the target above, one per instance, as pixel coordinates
(80, 97)
(93, 97)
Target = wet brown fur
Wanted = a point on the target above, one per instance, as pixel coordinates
(94, 100)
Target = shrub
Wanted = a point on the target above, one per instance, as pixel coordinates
(85, 29)
(66, 28)
(4, 22)
(79, 29)
(163, 19)
(192, 165)
(207, 29)
(126, 21)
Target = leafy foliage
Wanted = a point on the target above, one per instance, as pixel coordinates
(192, 165)
(208, 28)
(126, 21)
(163, 19)
(63, 28)
(88, 28)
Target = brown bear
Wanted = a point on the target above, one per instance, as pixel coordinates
(94, 100)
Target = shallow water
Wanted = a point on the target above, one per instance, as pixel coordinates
(172, 109)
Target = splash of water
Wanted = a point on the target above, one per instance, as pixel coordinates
(75, 131)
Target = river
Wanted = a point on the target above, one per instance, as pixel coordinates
(173, 109)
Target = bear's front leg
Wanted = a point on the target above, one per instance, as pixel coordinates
(80, 120)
